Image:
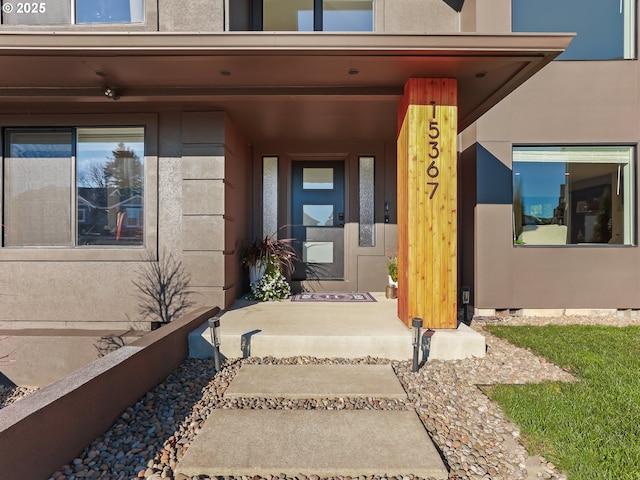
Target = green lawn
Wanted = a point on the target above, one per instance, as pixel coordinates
(589, 429)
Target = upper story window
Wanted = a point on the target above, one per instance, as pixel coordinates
(605, 29)
(302, 15)
(571, 195)
(66, 187)
(67, 12)
(109, 11)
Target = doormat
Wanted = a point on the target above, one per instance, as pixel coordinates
(333, 297)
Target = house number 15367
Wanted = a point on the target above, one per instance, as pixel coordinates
(434, 152)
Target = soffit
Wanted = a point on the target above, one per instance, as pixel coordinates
(277, 85)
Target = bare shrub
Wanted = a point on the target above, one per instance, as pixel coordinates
(163, 287)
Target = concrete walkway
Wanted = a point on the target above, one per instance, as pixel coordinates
(326, 443)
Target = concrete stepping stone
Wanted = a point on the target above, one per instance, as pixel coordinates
(326, 443)
(314, 381)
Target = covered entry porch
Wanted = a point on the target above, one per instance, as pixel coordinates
(220, 103)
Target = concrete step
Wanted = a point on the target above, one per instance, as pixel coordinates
(315, 381)
(327, 443)
(328, 330)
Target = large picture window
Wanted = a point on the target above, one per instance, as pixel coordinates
(605, 28)
(65, 12)
(573, 195)
(73, 187)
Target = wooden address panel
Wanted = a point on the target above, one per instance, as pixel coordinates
(427, 202)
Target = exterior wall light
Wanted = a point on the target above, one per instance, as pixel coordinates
(214, 328)
(417, 325)
(111, 93)
(466, 298)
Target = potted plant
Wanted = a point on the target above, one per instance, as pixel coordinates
(269, 260)
(392, 271)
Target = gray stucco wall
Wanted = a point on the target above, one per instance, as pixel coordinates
(186, 163)
(566, 103)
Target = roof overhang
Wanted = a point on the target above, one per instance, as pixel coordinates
(240, 72)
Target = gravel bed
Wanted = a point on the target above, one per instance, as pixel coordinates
(475, 440)
(473, 436)
(9, 395)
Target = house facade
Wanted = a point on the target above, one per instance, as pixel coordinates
(135, 128)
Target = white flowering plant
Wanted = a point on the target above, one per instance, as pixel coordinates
(272, 286)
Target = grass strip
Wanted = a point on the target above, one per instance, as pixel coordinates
(591, 428)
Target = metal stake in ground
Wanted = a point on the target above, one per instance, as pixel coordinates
(214, 327)
(417, 325)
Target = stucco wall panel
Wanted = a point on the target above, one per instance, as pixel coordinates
(213, 296)
(566, 103)
(203, 197)
(495, 270)
(203, 232)
(203, 167)
(486, 16)
(191, 15)
(206, 268)
(170, 204)
(570, 102)
(68, 292)
(419, 16)
(372, 274)
(508, 276)
(238, 213)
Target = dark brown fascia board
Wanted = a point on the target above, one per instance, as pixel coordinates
(239, 43)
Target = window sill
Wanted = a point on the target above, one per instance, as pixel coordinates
(80, 254)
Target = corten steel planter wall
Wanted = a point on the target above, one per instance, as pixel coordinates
(55, 423)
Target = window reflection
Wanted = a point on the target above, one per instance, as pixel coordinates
(317, 178)
(347, 16)
(334, 15)
(605, 28)
(317, 252)
(110, 172)
(317, 215)
(586, 199)
(109, 11)
(37, 188)
(40, 193)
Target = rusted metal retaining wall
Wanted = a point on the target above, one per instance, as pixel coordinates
(49, 428)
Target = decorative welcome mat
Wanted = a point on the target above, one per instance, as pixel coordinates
(333, 297)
